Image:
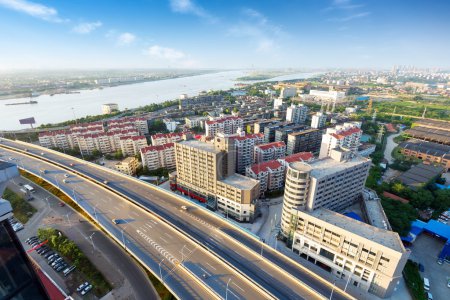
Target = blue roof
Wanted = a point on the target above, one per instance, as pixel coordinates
(441, 229)
(442, 187)
(353, 215)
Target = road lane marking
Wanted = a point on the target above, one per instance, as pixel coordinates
(238, 287)
(211, 266)
(164, 239)
(148, 225)
(206, 272)
(135, 213)
(168, 235)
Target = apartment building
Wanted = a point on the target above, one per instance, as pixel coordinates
(164, 138)
(308, 140)
(103, 142)
(130, 145)
(226, 125)
(281, 134)
(128, 166)
(345, 136)
(365, 256)
(259, 125)
(297, 114)
(192, 122)
(318, 120)
(429, 152)
(270, 130)
(205, 172)
(160, 156)
(244, 147)
(138, 123)
(56, 139)
(271, 151)
(334, 182)
(272, 174)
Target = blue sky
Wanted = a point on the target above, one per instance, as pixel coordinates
(40, 34)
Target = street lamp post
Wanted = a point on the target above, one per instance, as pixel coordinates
(92, 241)
(46, 199)
(331, 295)
(226, 291)
(160, 271)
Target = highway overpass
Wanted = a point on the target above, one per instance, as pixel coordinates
(269, 270)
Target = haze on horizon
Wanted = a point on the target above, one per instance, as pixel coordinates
(233, 34)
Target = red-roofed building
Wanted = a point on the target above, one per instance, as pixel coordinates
(345, 136)
(244, 146)
(272, 174)
(227, 125)
(270, 151)
(138, 123)
(130, 145)
(164, 138)
(160, 156)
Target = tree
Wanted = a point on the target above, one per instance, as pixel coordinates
(398, 188)
(422, 199)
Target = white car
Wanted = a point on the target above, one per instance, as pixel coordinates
(89, 287)
(18, 226)
(82, 286)
(66, 175)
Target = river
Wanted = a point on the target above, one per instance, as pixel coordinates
(62, 107)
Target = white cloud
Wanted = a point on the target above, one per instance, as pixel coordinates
(85, 28)
(165, 53)
(170, 55)
(350, 17)
(259, 30)
(125, 38)
(33, 9)
(189, 7)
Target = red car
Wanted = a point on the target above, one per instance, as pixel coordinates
(61, 204)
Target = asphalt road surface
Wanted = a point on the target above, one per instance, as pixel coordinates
(190, 271)
(267, 267)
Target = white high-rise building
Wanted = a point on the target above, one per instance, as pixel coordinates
(297, 113)
(319, 120)
(334, 182)
(287, 92)
(277, 103)
(333, 96)
(227, 125)
(345, 136)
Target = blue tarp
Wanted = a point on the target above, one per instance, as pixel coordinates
(353, 215)
(442, 187)
(362, 98)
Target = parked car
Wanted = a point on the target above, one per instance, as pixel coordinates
(48, 254)
(86, 290)
(421, 268)
(82, 286)
(429, 296)
(30, 238)
(61, 204)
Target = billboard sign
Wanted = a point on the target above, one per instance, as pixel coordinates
(27, 121)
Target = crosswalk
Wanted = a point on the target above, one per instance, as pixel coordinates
(158, 248)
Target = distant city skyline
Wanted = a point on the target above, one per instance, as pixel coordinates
(43, 34)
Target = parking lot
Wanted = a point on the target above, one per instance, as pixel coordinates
(425, 250)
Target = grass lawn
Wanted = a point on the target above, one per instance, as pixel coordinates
(21, 208)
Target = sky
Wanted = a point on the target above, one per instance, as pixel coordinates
(225, 34)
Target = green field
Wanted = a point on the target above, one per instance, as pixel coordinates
(435, 109)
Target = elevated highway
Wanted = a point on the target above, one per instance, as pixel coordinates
(268, 270)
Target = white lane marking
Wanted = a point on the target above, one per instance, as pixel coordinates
(135, 213)
(211, 266)
(238, 287)
(102, 199)
(233, 294)
(148, 225)
(206, 272)
(116, 208)
(122, 205)
(164, 239)
(168, 235)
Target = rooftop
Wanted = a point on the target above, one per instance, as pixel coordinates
(271, 145)
(384, 237)
(301, 156)
(445, 125)
(265, 166)
(420, 174)
(221, 120)
(168, 135)
(327, 166)
(429, 148)
(157, 148)
(429, 134)
(303, 132)
(344, 133)
(200, 145)
(241, 182)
